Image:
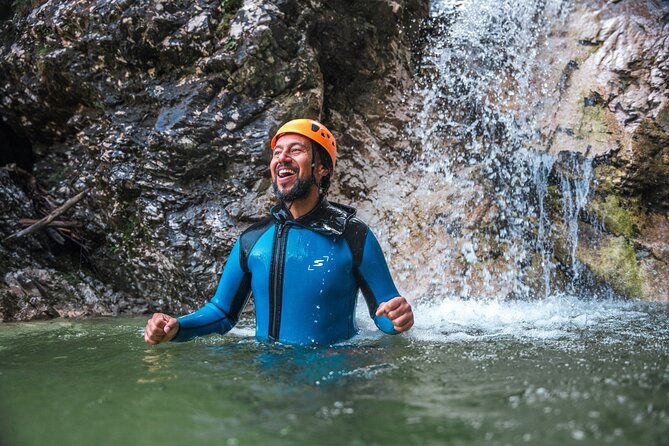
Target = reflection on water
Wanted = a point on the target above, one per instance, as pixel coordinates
(469, 372)
(157, 362)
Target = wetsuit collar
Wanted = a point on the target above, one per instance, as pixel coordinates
(325, 218)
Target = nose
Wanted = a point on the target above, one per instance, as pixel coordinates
(283, 156)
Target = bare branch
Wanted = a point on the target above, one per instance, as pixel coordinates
(49, 218)
(55, 224)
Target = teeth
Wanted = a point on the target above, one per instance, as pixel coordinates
(285, 172)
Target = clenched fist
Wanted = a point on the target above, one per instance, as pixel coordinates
(398, 310)
(160, 328)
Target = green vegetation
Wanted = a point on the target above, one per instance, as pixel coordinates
(61, 173)
(43, 50)
(594, 121)
(615, 262)
(608, 178)
(228, 10)
(619, 217)
(230, 44)
(133, 233)
(70, 32)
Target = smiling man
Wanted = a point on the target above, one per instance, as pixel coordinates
(304, 263)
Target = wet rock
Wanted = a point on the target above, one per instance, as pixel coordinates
(613, 105)
(164, 111)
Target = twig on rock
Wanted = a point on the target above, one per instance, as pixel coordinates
(49, 218)
(56, 223)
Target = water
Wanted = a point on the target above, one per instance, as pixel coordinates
(557, 370)
(470, 372)
(575, 193)
(484, 89)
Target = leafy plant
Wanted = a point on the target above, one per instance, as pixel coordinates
(228, 10)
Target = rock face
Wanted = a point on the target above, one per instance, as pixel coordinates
(614, 106)
(164, 110)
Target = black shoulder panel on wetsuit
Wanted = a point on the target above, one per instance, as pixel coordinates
(355, 235)
(249, 238)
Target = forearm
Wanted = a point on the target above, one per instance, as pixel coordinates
(376, 283)
(208, 319)
(222, 312)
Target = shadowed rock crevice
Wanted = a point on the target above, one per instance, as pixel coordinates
(15, 148)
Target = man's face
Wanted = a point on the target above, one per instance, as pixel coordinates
(291, 167)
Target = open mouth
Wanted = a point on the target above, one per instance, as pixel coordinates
(285, 172)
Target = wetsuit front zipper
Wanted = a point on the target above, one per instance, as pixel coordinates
(276, 279)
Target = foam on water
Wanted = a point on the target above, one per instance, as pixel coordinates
(556, 320)
(560, 318)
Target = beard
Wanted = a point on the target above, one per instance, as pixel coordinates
(300, 189)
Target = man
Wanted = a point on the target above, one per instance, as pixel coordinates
(304, 263)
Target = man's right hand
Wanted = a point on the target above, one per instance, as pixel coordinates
(160, 328)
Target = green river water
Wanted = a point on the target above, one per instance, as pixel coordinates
(494, 373)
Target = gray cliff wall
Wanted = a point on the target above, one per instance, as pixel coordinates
(164, 110)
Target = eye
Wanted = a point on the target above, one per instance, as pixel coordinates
(296, 150)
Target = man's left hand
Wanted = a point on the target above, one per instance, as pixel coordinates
(399, 312)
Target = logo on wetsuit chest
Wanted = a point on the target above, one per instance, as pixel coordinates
(318, 263)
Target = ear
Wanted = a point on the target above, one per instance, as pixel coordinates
(322, 170)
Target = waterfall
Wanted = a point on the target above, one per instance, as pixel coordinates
(542, 169)
(483, 89)
(575, 191)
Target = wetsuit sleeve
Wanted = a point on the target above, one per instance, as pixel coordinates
(222, 312)
(375, 281)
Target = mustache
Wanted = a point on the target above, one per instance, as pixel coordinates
(292, 166)
(288, 164)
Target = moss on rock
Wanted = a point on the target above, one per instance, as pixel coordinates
(608, 178)
(593, 122)
(614, 262)
(228, 9)
(619, 216)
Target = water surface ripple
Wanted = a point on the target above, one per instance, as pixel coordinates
(558, 372)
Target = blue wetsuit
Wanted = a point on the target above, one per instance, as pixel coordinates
(305, 275)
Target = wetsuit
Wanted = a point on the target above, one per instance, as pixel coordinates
(305, 275)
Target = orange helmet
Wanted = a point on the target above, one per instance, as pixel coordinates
(313, 130)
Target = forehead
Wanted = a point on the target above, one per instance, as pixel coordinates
(292, 138)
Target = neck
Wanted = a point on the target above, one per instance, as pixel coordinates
(303, 206)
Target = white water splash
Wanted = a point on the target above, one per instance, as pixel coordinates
(559, 319)
(483, 87)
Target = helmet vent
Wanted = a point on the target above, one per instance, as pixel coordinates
(314, 127)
